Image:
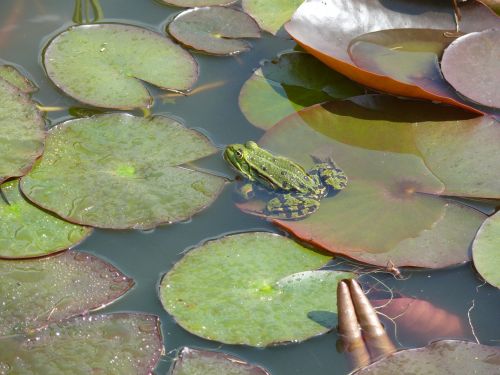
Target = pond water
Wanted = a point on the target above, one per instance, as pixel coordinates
(144, 256)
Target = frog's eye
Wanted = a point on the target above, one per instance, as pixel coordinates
(239, 153)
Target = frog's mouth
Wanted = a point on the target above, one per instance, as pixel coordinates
(238, 164)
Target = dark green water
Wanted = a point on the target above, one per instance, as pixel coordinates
(145, 256)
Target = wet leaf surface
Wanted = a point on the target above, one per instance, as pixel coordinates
(254, 298)
(10, 74)
(214, 30)
(290, 83)
(114, 344)
(325, 29)
(203, 362)
(22, 132)
(27, 231)
(486, 250)
(440, 357)
(470, 65)
(120, 171)
(271, 15)
(104, 64)
(39, 291)
(197, 3)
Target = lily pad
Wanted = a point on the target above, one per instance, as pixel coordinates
(271, 14)
(440, 357)
(204, 362)
(390, 198)
(120, 171)
(10, 74)
(214, 30)
(104, 64)
(254, 298)
(22, 132)
(197, 3)
(27, 231)
(113, 344)
(39, 291)
(288, 84)
(325, 29)
(470, 65)
(486, 250)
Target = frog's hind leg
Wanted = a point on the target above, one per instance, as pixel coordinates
(330, 175)
(289, 206)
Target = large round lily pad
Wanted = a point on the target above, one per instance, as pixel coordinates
(271, 14)
(22, 132)
(197, 3)
(289, 83)
(10, 74)
(486, 250)
(470, 64)
(27, 231)
(104, 64)
(120, 171)
(114, 344)
(39, 291)
(214, 30)
(440, 357)
(262, 293)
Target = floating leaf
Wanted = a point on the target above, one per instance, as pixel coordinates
(214, 30)
(39, 291)
(22, 132)
(197, 3)
(325, 29)
(203, 362)
(255, 297)
(104, 64)
(27, 231)
(271, 14)
(470, 65)
(440, 357)
(486, 250)
(114, 344)
(387, 177)
(16, 79)
(120, 171)
(289, 83)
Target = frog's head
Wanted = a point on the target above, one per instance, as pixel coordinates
(239, 157)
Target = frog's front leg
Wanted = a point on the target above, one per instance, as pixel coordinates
(246, 191)
(291, 206)
(330, 175)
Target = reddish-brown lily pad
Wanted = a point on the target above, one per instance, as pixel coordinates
(470, 65)
(114, 344)
(325, 29)
(36, 292)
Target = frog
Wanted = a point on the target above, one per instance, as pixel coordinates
(295, 192)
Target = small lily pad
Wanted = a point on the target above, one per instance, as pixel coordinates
(39, 291)
(197, 3)
(120, 171)
(27, 231)
(271, 14)
(486, 250)
(440, 357)
(10, 74)
(470, 65)
(22, 132)
(204, 362)
(289, 83)
(263, 292)
(214, 30)
(113, 344)
(104, 64)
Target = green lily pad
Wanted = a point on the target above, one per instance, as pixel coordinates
(39, 291)
(120, 171)
(486, 250)
(392, 197)
(204, 362)
(197, 3)
(263, 292)
(440, 357)
(288, 84)
(214, 30)
(10, 74)
(22, 132)
(114, 344)
(27, 231)
(104, 64)
(271, 15)
(470, 65)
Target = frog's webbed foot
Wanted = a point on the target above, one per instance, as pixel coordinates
(288, 206)
(330, 175)
(246, 191)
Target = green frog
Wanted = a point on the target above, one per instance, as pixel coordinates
(297, 193)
